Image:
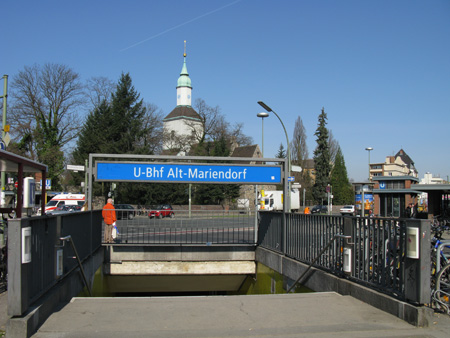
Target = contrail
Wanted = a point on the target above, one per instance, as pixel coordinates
(180, 25)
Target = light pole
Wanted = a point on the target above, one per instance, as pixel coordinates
(262, 116)
(267, 108)
(4, 96)
(369, 149)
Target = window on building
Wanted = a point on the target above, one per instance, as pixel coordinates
(395, 184)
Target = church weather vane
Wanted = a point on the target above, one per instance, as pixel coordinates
(184, 54)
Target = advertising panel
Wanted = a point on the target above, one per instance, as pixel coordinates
(368, 201)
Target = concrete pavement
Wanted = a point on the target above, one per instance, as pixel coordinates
(295, 315)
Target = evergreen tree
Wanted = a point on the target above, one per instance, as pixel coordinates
(127, 113)
(118, 127)
(281, 153)
(322, 160)
(342, 189)
(91, 140)
(217, 193)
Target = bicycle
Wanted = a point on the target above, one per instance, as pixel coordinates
(441, 294)
(440, 267)
(437, 253)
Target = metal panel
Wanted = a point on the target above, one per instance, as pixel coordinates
(30, 281)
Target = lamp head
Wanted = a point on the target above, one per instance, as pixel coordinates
(369, 148)
(263, 114)
(266, 107)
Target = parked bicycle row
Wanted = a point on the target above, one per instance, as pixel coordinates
(440, 265)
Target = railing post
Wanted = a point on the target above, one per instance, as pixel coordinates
(349, 251)
(417, 261)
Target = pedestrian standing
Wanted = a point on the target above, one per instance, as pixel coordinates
(109, 217)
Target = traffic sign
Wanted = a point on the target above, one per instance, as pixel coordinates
(2, 145)
(75, 167)
(48, 184)
(16, 184)
(7, 139)
(291, 179)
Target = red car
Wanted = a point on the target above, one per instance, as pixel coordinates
(163, 210)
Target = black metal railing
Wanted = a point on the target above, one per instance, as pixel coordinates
(184, 227)
(379, 246)
(380, 249)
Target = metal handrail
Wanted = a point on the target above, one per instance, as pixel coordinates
(315, 259)
(69, 238)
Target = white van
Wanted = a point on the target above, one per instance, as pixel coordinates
(64, 199)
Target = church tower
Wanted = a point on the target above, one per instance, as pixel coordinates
(183, 125)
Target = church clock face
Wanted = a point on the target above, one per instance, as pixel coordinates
(178, 96)
(189, 96)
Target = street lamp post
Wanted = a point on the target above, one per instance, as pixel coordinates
(369, 149)
(262, 116)
(267, 108)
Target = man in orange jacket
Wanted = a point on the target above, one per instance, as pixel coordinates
(109, 217)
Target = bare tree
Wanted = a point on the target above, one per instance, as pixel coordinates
(99, 89)
(239, 137)
(216, 127)
(46, 102)
(210, 127)
(213, 122)
(47, 99)
(152, 123)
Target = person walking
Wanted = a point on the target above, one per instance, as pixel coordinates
(411, 211)
(109, 217)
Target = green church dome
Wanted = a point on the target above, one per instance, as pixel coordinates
(184, 80)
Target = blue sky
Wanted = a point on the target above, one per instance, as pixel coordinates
(381, 69)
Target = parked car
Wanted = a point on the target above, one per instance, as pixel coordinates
(163, 210)
(319, 209)
(347, 210)
(125, 211)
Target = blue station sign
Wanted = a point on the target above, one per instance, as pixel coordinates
(187, 173)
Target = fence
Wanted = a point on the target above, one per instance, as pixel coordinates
(378, 247)
(37, 259)
(184, 227)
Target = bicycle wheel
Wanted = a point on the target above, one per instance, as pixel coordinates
(443, 285)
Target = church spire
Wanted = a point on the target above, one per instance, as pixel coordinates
(184, 86)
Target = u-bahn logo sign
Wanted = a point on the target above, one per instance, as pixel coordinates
(187, 173)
